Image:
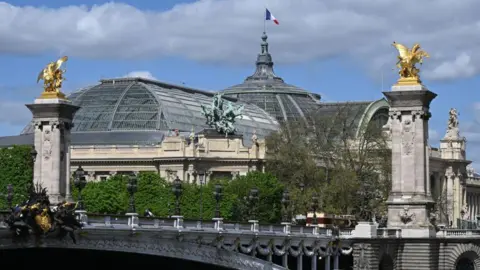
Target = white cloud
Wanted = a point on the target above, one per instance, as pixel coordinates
(228, 31)
(459, 68)
(141, 74)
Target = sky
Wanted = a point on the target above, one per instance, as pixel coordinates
(340, 49)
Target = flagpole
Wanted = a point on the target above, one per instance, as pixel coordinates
(265, 20)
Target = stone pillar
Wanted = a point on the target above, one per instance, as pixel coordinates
(53, 121)
(365, 256)
(409, 202)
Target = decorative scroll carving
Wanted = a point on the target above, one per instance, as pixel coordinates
(394, 114)
(57, 124)
(408, 137)
(38, 125)
(464, 212)
(47, 144)
(405, 216)
(361, 262)
(421, 114)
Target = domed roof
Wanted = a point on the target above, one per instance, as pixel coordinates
(149, 109)
(268, 91)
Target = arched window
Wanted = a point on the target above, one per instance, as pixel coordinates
(380, 118)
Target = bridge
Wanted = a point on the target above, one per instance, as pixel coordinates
(255, 246)
(230, 245)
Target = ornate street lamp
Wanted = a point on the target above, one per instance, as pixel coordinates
(285, 203)
(80, 183)
(201, 178)
(218, 196)
(177, 191)
(9, 195)
(132, 188)
(33, 154)
(253, 198)
(314, 207)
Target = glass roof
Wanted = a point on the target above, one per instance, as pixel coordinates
(265, 89)
(136, 104)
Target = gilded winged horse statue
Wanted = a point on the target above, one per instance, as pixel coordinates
(52, 76)
(407, 59)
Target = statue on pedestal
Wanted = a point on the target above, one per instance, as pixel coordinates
(407, 59)
(220, 118)
(52, 76)
(36, 216)
(452, 125)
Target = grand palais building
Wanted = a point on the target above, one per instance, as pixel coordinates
(129, 125)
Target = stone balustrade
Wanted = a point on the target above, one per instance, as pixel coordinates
(121, 222)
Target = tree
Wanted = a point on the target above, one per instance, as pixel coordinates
(16, 169)
(270, 195)
(154, 193)
(108, 196)
(350, 163)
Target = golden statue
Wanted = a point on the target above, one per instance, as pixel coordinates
(407, 59)
(53, 78)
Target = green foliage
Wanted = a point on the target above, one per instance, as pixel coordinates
(154, 193)
(334, 158)
(105, 196)
(270, 196)
(16, 168)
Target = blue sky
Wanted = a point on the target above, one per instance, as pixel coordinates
(339, 49)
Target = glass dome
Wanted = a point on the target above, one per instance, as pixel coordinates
(265, 89)
(129, 105)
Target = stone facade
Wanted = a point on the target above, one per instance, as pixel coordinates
(191, 159)
(53, 121)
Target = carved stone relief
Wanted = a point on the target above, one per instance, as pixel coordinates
(408, 136)
(47, 144)
(405, 216)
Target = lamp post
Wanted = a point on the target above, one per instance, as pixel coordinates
(218, 196)
(314, 207)
(201, 178)
(132, 188)
(253, 198)
(285, 203)
(33, 155)
(80, 183)
(9, 195)
(301, 186)
(177, 191)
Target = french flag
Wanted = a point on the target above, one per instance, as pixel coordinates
(269, 17)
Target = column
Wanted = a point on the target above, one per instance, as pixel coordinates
(91, 176)
(409, 114)
(52, 118)
(327, 262)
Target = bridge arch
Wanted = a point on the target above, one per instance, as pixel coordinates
(386, 262)
(167, 248)
(462, 256)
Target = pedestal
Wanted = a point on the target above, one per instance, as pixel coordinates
(287, 227)
(365, 229)
(218, 224)
(410, 199)
(133, 221)
(254, 225)
(178, 223)
(82, 216)
(53, 121)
